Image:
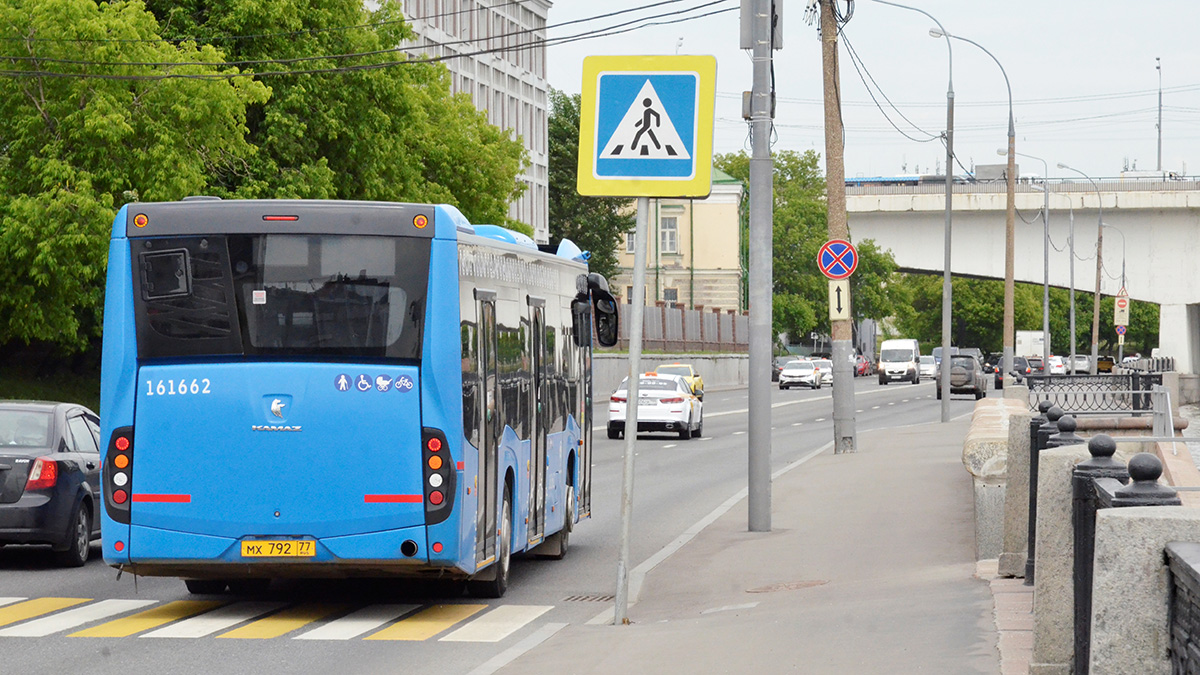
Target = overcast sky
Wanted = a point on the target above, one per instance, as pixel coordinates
(1084, 84)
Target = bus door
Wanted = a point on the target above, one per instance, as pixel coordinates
(537, 450)
(485, 516)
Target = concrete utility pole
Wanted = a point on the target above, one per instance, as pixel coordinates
(835, 191)
(761, 273)
(1158, 67)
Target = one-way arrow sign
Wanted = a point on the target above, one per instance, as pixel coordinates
(839, 299)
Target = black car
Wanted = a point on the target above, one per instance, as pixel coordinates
(50, 477)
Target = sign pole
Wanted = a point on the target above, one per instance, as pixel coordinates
(841, 329)
(637, 312)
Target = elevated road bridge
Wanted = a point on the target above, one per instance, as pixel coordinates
(1151, 230)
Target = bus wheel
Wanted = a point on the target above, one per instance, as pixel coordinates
(205, 586)
(559, 541)
(613, 433)
(249, 586)
(495, 586)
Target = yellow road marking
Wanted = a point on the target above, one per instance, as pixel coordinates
(151, 618)
(284, 622)
(427, 623)
(36, 607)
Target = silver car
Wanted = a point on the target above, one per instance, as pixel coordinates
(966, 376)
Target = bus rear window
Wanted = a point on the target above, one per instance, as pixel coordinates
(320, 296)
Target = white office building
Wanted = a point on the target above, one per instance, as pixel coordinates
(509, 84)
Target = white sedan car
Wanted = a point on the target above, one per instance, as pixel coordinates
(798, 373)
(665, 403)
(826, 368)
(1057, 365)
(928, 367)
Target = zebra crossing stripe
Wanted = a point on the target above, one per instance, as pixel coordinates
(356, 623)
(497, 624)
(151, 618)
(427, 623)
(73, 618)
(9, 601)
(283, 622)
(36, 607)
(217, 620)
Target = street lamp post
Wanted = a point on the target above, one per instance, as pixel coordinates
(947, 290)
(1045, 258)
(1099, 265)
(1120, 346)
(1010, 212)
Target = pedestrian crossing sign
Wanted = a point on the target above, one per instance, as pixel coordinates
(646, 125)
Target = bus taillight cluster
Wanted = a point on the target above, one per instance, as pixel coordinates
(118, 474)
(439, 476)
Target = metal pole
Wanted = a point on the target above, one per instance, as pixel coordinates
(1071, 244)
(835, 204)
(1046, 275)
(1099, 265)
(637, 312)
(1158, 67)
(761, 207)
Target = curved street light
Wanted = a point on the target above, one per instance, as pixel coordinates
(1045, 259)
(1010, 211)
(947, 290)
(1099, 264)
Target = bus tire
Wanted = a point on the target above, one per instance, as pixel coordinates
(613, 433)
(497, 583)
(249, 586)
(205, 586)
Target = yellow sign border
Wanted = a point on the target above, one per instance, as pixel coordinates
(700, 184)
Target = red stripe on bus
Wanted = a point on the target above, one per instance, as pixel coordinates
(460, 466)
(168, 499)
(392, 499)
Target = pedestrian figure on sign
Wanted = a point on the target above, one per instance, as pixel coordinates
(645, 125)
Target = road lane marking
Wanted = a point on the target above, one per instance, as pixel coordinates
(729, 608)
(74, 617)
(797, 424)
(151, 618)
(670, 445)
(9, 601)
(738, 433)
(513, 653)
(874, 407)
(357, 623)
(427, 623)
(216, 620)
(858, 411)
(36, 607)
(497, 624)
(283, 622)
(819, 419)
(892, 403)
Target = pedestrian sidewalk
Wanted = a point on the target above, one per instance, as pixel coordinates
(868, 568)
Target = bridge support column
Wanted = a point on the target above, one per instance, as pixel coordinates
(1179, 335)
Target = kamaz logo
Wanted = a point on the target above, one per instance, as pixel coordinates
(272, 427)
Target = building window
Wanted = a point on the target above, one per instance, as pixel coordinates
(671, 295)
(668, 231)
(630, 242)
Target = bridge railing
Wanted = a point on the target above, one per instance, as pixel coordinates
(1090, 394)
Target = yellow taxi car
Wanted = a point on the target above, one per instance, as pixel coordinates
(688, 373)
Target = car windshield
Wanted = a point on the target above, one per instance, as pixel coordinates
(927, 361)
(685, 371)
(23, 428)
(964, 361)
(798, 366)
(895, 355)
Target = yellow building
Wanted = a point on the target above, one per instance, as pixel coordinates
(695, 250)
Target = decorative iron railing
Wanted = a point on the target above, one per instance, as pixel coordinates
(1126, 392)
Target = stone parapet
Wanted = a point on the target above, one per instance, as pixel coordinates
(985, 456)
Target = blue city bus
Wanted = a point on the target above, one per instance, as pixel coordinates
(304, 388)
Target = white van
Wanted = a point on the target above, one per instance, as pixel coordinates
(900, 360)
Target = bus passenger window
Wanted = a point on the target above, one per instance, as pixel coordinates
(470, 383)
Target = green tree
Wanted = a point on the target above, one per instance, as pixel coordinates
(368, 132)
(75, 149)
(801, 292)
(596, 224)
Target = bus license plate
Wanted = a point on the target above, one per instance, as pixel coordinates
(282, 548)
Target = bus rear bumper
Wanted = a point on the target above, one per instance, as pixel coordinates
(400, 552)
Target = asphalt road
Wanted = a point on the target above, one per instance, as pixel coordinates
(304, 626)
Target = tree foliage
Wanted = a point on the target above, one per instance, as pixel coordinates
(801, 292)
(74, 149)
(596, 224)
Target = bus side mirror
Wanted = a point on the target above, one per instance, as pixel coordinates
(606, 318)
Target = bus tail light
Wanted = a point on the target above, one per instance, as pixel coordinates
(440, 476)
(117, 477)
(43, 475)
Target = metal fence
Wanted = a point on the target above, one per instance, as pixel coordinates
(693, 330)
(1090, 394)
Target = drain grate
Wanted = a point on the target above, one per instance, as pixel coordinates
(589, 598)
(788, 586)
